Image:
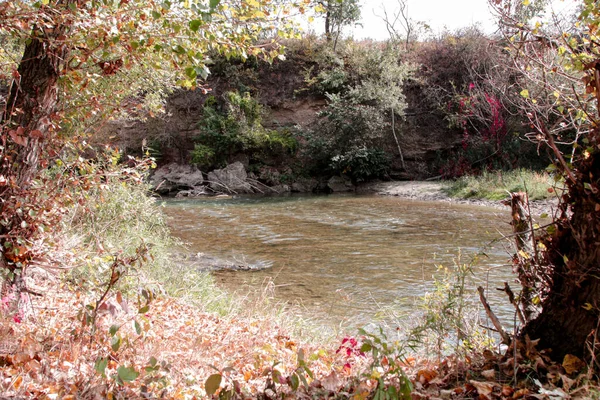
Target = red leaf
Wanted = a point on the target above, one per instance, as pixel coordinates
(17, 136)
(36, 134)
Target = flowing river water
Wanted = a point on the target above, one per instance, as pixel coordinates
(344, 258)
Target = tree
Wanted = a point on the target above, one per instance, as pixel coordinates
(73, 53)
(401, 28)
(383, 87)
(559, 65)
(338, 14)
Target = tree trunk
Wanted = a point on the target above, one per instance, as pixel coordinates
(27, 126)
(328, 25)
(33, 99)
(571, 309)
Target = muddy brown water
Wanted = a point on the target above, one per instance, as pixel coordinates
(344, 258)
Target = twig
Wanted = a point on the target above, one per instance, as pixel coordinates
(511, 298)
(495, 321)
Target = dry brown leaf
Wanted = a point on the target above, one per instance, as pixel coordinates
(484, 389)
(572, 364)
(567, 383)
(507, 391)
(519, 394)
(489, 374)
(331, 382)
(425, 376)
(18, 382)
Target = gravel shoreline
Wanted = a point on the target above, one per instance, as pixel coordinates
(433, 191)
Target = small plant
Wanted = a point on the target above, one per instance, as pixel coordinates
(450, 314)
(386, 369)
(236, 126)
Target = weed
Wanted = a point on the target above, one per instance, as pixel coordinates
(495, 185)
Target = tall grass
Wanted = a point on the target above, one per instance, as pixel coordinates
(496, 185)
(117, 217)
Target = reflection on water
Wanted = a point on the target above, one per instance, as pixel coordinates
(342, 257)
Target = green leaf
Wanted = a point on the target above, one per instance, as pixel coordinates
(214, 3)
(144, 309)
(212, 383)
(127, 374)
(195, 25)
(113, 329)
(191, 72)
(138, 328)
(115, 343)
(295, 381)
(366, 347)
(100, 366)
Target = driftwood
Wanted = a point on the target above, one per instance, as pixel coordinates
(505, 336)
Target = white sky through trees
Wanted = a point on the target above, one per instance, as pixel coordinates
(438, 14)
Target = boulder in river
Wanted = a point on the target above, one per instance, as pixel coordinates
(304, 185)
(231, 179)
(338, 184)
(176, 177)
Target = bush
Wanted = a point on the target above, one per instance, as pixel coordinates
(236, 126)
(203, 156)
(362, 164)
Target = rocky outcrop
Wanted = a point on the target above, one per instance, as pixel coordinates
(232, 179)
(175, 178)
(338, 184)
(304, 185)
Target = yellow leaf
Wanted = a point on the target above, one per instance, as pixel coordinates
(526, 2)
(524, 254)
(17, 383)
(525, 93)
(572, 364)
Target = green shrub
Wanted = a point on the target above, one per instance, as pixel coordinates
(202, 155)
(362, 164)
(236, 126)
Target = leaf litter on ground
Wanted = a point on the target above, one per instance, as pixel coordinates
(174, 350)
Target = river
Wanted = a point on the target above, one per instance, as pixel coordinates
(343, 259)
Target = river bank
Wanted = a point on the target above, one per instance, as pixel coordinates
(436, 191)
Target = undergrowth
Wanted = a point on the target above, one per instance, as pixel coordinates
(497, 184)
